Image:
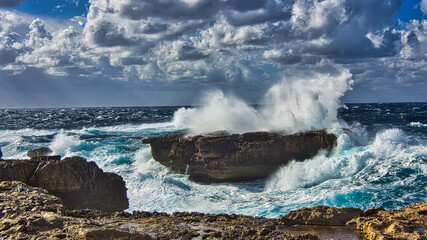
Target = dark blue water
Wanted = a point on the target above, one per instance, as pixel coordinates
(381, 160)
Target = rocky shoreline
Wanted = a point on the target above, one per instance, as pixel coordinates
(32, 213)
(82, 202)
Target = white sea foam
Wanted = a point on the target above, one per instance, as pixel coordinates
(387, 151)
(294, 104)
(63, 144)
(418, 124)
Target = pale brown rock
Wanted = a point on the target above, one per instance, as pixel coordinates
(80, 184)
(321, 216)
(406, 223)
(52, 222)
(248, 156)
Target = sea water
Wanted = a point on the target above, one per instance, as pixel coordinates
(380, 159)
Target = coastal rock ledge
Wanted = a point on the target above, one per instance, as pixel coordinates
(237, 157)
(78, 183)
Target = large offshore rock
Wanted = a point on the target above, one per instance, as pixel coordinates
(80, 184)
(237, 157)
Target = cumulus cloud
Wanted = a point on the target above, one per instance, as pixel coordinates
(423, 6)
(243, 45)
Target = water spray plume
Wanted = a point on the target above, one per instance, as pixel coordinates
(294, 104)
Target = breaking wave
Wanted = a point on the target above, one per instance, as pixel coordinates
(295, 104)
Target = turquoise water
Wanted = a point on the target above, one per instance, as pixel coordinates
(381, 161)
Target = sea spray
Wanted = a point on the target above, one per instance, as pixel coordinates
(294, 104)
(64, 143)
(305, 103)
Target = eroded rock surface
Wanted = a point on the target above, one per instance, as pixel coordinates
(237, 157)
(31, 213)
(80, 184)
(407, 223)
(321, 216)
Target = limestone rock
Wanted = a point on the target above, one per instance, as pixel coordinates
(237, 157)
(39, 152)
(81, 184)
(321, 215)
(16, 197)
(111, 233)
(18, 170)
(406, 223)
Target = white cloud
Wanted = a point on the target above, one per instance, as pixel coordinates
(246, 45)
(423, 6)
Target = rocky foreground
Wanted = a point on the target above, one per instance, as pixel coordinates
(79, 183)
(32, 213)
(238, 157)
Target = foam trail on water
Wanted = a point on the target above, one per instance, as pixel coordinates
(295, 104)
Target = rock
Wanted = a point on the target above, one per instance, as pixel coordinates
(80, 184)
(237, 157)
(406, 223)
(108, 233)
(14, 194)
(321, 215)
(18, 170)
(32, 213)
(44, 151)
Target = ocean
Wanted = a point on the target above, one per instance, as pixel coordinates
(381, 161)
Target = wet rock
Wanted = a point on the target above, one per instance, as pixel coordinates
(237, 157)
(39, 152)
(108, 233)
(321, 215)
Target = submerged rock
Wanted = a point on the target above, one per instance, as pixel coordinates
(236, 157)
(80, 184)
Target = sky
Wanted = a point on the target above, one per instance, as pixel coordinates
(71, 53)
